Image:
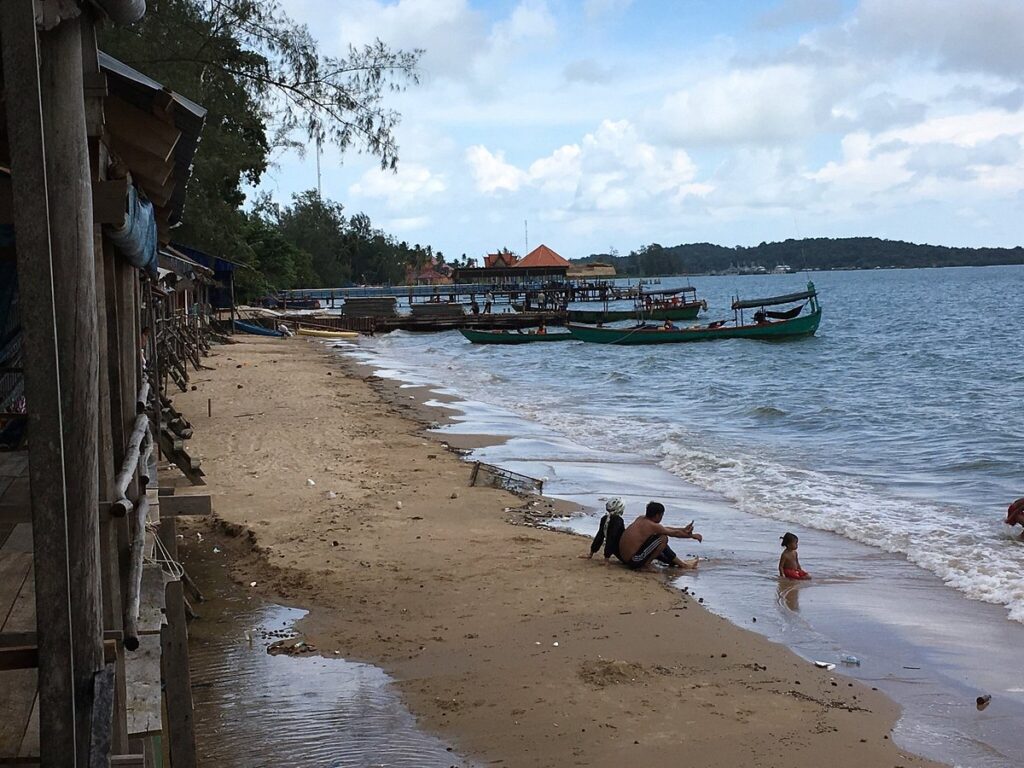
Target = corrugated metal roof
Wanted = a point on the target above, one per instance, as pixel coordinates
(141, 91)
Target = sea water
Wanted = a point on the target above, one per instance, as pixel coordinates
(899, 428)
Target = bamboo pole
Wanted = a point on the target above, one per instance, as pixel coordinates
(142, 400)
(131, 609)
(23, 94)
(131, 456)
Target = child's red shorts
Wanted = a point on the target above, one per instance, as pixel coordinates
(795, 573)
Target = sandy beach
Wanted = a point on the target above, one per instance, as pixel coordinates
(501, 639)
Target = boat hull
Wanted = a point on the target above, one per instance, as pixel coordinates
(255, 330)
(785, 329)
(328, 334)
(499, 337)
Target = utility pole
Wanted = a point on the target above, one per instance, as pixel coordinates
(526, 237)
(319, 189)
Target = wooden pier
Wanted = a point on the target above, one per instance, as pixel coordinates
(451, 322)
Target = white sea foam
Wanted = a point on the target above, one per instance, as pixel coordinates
(981, 561)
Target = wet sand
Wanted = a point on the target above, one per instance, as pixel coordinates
(916, 639)
(500, 638)
(318, 710)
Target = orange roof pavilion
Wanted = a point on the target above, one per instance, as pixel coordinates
(542, 256)
(500, 259)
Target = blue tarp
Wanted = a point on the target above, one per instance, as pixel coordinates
(137, 239)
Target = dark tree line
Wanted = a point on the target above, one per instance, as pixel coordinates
(268, 88)
(811, 253)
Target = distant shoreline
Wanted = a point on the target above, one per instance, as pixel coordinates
(809, 254)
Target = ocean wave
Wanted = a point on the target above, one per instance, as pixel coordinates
(767, 412)
(981, 561)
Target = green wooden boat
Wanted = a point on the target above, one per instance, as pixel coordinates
(504, 337)
(767, 325)
(688, 311)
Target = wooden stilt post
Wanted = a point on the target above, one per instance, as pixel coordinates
(23, 93)
(232, 283)
(109, 382)
(174, 661)
(74, 288)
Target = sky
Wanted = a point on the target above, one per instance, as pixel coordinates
(592, 125)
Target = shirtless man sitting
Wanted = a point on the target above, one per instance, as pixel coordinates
(646, 540)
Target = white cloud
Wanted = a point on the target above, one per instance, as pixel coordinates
(408, 223)
(558, 172)
(587, 71)
(595, 9)
(610, 169)
(458, 40)
(962, 35)
(879, 111)
(763, 105)
(955, 159)
(530, 20)
(411, 184)
(491, 172)
(793, 12)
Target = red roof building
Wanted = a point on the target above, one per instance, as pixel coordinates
(500, 259)
(542, 256)
(429, 274)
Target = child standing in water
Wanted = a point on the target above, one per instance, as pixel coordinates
(789, 563)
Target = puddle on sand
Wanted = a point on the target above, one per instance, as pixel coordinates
(255, 710)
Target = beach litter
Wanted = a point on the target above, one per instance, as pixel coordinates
(290, 648)
(332, 495)
(826, 665)
(849, 659)
(310, 482)
(983, 701)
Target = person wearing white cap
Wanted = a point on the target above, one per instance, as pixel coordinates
(610, 530)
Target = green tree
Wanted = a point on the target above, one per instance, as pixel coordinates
(319, 228)
(266, 85)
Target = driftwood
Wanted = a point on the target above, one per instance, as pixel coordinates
(131, 455)
(142, 401)
(136, 558)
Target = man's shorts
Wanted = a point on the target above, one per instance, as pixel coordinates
(646, 551)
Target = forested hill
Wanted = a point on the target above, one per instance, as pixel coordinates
(811, 253)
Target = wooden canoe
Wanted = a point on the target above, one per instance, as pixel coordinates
(328, 334)
(798, 327)
(503, 337)
(256, 330)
